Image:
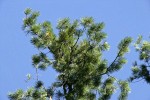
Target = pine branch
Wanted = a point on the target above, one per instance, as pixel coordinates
(37, 76)
(116, 58)
(118, 55)
(137, 80)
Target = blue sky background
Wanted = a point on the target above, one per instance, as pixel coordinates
(121, 17)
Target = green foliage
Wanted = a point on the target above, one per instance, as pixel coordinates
(37, 93)
(119, 61)
(142, 71)
(124, 86)
(107, 89)
(75, 53)
(17, 95)
(27, 11)
(40, 61)
(38, 84)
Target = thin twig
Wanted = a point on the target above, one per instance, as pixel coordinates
(138, 80)
(37, 76)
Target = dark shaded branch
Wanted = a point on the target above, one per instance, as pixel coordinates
(37, 76)
(137, 80)
(117, 56)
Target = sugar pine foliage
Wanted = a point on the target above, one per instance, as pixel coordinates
(77, 50)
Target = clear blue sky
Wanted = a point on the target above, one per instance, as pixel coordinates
(121, 17)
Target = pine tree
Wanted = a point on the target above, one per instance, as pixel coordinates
(77, 56)
(141, 71)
